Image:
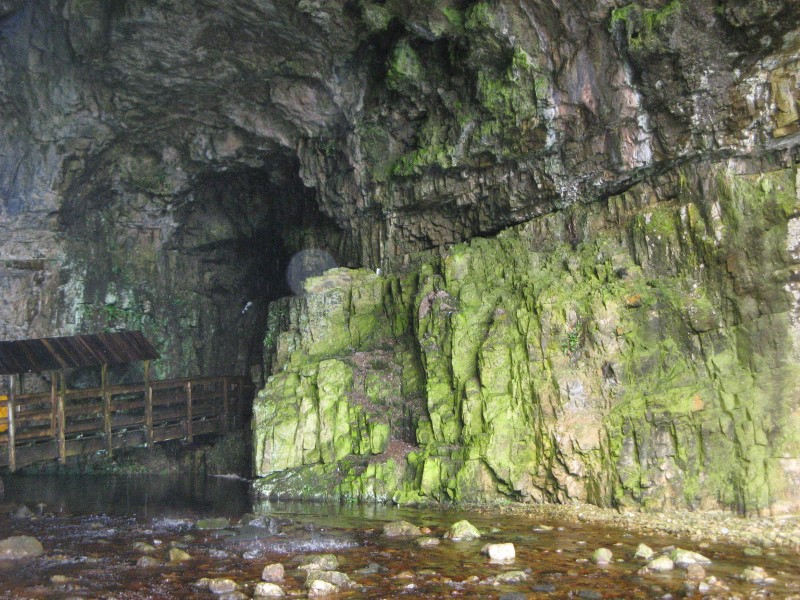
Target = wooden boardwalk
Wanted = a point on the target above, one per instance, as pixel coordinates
(51, 425)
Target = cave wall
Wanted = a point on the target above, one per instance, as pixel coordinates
(642, 351)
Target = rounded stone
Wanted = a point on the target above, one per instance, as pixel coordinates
(427, 541)
(20, 546)
(401, 529)
(463, 531)
(221, 585)
(644, 551)
(273, 572)
(602, 556)
(321, 588)
(661, 564)
(501, 552)
(265, 589)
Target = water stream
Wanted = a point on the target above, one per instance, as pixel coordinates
(90, 528)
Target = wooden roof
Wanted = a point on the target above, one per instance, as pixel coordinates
(57, 353)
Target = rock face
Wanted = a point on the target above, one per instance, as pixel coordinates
(641, 350)
(583, 213)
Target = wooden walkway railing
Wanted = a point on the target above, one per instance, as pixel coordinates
(62, 423)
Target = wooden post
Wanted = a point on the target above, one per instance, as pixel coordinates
(148, 405)
(53, 403)
(62, 420)
(225, 385)
(12, 450)
(189, 432)
(106, 409)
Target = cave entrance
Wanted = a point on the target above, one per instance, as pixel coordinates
(245, 230)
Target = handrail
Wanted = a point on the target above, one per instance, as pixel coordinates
(39, 426)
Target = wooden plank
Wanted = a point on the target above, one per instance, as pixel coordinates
(12, 442)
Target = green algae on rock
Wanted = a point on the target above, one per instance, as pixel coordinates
(631, 352)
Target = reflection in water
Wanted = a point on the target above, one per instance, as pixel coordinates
(95, 531)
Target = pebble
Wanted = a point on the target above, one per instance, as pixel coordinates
(661, 564)
(602, 556)
(273, 572)
(695, 572)
(644, 552)
(512, 577)
(401, 529)
(143, 547)
(221, 585)
(319, 562)
(337, 578)
(755, 575)
(684, 558)
(463, 531)
(178, 555)
(589, 595)
(427, 541)
(372, 569)
(268, 590)
(147, 562)
(20, 546)
(547, 588)
(500, 553)
(321, 588)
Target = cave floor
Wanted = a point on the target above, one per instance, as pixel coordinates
(95, 531)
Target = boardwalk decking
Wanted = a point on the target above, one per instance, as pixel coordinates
(36, 427)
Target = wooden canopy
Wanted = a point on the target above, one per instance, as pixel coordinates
(58, 353)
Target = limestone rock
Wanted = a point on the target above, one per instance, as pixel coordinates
(644, 552)
(20, 546)
(265, 589)
(321, 588)
(274, 572)
(401, 529)
(319, 562)
(661, 564)
(602, 556)
(500, 553)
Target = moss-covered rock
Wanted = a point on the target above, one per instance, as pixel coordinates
(630, 352)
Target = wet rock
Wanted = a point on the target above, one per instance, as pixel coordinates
(147, 562)
(211, 524)
(500, 552)
(319, 562)
(372, 569)
(644, 552)
(602, 556)
(268, 590)
(661, 564)
(401, 529)
(589, 595)
(232, 596)
(273, 572)
(755, 575)
(143, 547)
(20, 546)
(512, 577)
(513, 596)
(752, 551)
(221, 585)
(321, 588)
(178, 555)
(427, 541)
(337, 578)
(695, 572)
(22, 512)
(684, 558)
(547, 588)
(463, 531)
